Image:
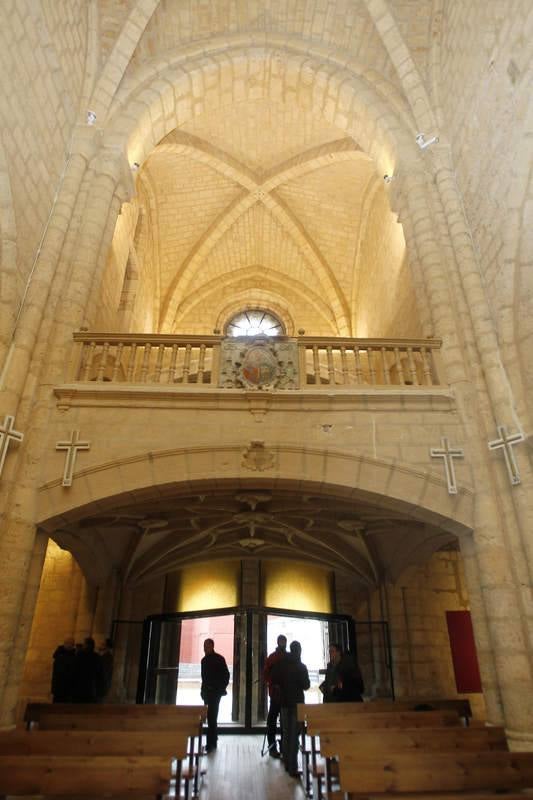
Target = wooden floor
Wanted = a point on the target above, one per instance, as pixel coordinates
(236, 771)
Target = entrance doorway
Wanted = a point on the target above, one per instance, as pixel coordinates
(172, 649)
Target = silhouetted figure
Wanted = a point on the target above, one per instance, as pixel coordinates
(215, 679)
(88, 674)
(274, 694)
(343, 682)
(63, 672)
(293, 679)
(106, 654)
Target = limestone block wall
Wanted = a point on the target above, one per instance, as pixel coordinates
(483, 91)
(42, 56)
(385, 302)
(62, 600)
(415, 607)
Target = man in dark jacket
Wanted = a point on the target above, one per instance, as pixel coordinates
(215, 678)
(274, 694)
(293, 679)
(88, 674)
(343, 682)
(63, 672)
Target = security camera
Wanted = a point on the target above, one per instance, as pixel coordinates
(91, 118)
(388, 178)
(420, 139)
(135, 166)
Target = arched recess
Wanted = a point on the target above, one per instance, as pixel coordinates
(154, 477)
(254, 279)
(159, 98)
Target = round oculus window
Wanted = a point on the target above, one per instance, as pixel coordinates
(254, 322)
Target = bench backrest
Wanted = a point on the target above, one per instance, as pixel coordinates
(172, 744)
(34, 711)
(432, 772)
(459, 707)
(116, 722)
(405, 719)
(411, 739)
(120, 777)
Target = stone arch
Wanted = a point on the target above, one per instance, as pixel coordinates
(384, 482)
(277, 287)
(154, 100)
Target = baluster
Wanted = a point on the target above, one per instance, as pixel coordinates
(103, 362)
(412, 366)
(146, 361)
(172, 367)
(386, 368)
(399, 367)
(89, 362)
(358, 367)
(426, 369)
(331, 366)
(371, 368)
(201, 360)
(187, 363)
(316, 364)
(159, 362)
(131, 363)
(118, 359)
(344, 365)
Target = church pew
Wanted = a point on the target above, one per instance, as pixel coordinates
(87, 717)
(336, 745)
(348, 716)
(95, 775)
(170, 745)
(423, 772)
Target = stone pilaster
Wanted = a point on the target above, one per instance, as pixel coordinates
(501, 576)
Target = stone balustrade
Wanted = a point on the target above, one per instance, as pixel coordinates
(282, 363)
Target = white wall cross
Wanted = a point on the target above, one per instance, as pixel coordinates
(506, 443)
(448, 453)
(72, 448)
(7, 434)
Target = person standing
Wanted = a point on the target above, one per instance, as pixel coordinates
(274, 708)
(88, 674)
(215, 679)
(63, 672)
(293, 679)
(343, 682)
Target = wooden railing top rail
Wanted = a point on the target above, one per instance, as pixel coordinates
(321, 341)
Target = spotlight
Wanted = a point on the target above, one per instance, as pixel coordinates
(388, 178)
(91, 118)
(421, 141)
(135, 166)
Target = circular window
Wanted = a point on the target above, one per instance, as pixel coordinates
(254, 322)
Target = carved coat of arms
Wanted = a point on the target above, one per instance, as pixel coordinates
(259, 364)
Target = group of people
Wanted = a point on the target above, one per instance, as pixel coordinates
(80, 674)
(287, 679)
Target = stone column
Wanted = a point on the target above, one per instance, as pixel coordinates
(503, 577)
(17, 531)
(20, 645)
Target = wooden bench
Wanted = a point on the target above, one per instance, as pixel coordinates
(335, 746)
(423, 772)
(140, 718)
(348, 716)
(94, 775)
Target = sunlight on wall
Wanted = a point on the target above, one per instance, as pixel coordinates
(299, 587)
(205, 586)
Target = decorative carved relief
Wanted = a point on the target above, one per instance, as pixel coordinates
(259, 364)
(257, 458)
